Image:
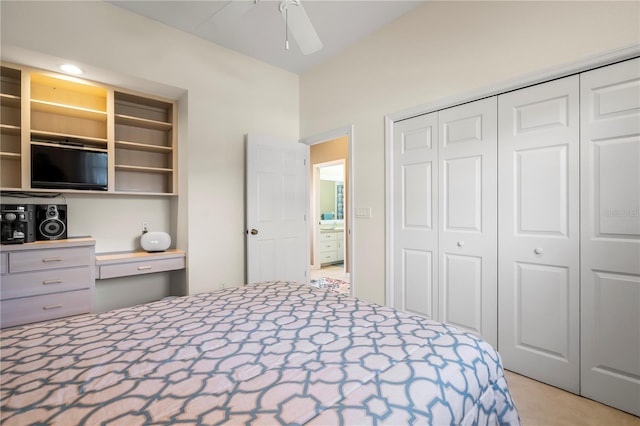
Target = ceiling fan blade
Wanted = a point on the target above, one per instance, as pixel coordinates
(231, 13)
(301, 28)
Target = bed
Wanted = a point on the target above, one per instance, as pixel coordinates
(270, 353)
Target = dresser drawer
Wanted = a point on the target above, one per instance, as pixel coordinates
(40, 308)
(36, 260)
(4, 263)
(140, 267)
(42, 282)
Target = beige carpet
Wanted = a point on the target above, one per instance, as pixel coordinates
(540, 404)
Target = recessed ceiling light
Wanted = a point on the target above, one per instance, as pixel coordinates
(71, 69)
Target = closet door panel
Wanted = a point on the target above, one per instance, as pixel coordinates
(415, 223)
(539, 283)
(610, 314)
(468, 217)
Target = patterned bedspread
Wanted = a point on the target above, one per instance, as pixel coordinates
(271, 353)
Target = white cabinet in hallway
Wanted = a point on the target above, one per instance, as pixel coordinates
(539, 256)
(331, 247)
(610, 158)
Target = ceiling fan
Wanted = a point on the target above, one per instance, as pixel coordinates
(297, 21)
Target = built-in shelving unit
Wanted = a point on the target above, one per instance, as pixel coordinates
(10, 128)
(144, 144)
(137, 131)
(64, 110)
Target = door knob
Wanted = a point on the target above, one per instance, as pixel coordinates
(460, 243)
(254, 231)
(538, 251)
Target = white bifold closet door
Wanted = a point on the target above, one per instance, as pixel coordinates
(415, 215)
(610, 154)
(539, 232)
(468, 289)
(444, 210)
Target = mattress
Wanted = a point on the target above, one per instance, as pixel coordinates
(270, 353)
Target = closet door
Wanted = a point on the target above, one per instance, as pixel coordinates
(415, 212)
(610, 311)
(538, 234)
(468, 218)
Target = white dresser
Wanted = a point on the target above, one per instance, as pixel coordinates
(46, 280)
(331, 246)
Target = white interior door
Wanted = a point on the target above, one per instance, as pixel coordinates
(415, 215)
(276, 203)
(468, 155)
(538, 274)
(610, 311)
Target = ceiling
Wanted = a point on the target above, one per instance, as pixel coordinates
(260, 31)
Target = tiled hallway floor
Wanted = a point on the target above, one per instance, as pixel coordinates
(336, 272)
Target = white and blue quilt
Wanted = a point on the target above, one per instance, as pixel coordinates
(266, 354)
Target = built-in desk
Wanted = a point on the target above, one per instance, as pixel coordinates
(129, 263)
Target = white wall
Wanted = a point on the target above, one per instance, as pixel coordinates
(439, 50)
(228, 96)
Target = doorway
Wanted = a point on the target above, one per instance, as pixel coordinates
(328, 248)
(330, 230)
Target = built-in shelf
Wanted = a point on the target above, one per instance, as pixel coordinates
(68, 110)
(54, 136)
(143, 169)
(143, 147)
(10, 100)
(10, 156)
(9, 129)
(142, 122)
(144, 144)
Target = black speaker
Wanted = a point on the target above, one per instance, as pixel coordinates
(51, 222)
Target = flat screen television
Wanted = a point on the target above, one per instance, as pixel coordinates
(59, 167)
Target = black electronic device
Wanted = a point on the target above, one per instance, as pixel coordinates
(61, 167)
(17, 223)
(51, 222)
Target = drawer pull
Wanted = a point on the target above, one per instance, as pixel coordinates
(47, 282)
(48, 307)
(51, 259)
(144, 268)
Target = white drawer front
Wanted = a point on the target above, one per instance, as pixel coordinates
(328, 245)
(40, 308)
(4, 263)
(327, 257)
(327, 236)
(139, 268)
(43, 282)
(36, 260)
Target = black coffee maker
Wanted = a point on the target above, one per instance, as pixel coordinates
(17, 224)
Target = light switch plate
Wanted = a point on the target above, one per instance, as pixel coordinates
(364, 212)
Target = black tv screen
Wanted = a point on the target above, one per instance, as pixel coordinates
(58, 167)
